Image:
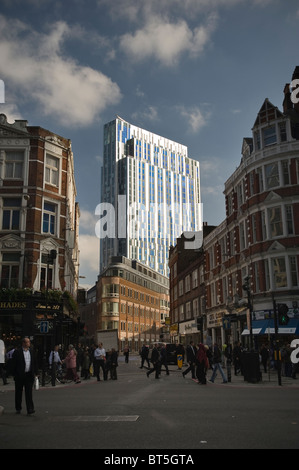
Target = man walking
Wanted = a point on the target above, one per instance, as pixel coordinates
(217, 365)
(155, 359)
(24, 370)
(191, 359)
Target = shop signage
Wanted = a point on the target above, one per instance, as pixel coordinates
(13, 305)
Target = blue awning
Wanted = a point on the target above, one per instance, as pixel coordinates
(265, 327)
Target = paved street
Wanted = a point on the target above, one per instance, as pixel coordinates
(172, 413)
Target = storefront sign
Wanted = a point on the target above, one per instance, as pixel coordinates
(13, 305)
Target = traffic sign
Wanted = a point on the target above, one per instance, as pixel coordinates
(226, 323)
(44, 326)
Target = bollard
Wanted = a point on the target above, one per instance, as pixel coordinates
(180, 361)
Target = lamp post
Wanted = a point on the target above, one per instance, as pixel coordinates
(276, 352)
(246, 287)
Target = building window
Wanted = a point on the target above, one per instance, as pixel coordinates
(269, 135)
(181, 312)
(14, 164)
(279, 272)
(110, 290)
(294, 272)
(243, 235)
(187, 283)
(275, 222)
(285, 172)
(283, 132)
(194, 279)
(52, 170)
(11, 214)
(272, 175)
(188, 310)
(257, 140)
(49, 218)
(46, 275)
(259, 172)
(10, 270)
(110, 308)
(181, 288)
(289, 220)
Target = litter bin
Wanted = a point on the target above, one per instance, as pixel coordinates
(251, 367)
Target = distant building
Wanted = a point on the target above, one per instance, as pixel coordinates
(154, 178)
(39, 219)
(133, 299)
(187, 291)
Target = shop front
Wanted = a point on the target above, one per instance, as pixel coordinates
(42, 321)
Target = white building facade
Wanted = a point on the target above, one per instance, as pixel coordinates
(152, 191)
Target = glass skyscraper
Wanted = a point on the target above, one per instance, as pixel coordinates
(150, 195)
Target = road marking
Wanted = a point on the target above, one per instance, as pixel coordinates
(95, 418)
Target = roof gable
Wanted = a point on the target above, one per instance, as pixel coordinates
(267, 113)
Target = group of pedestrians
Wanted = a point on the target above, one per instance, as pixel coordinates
(201, 359)
(88, 362)
(158, 359)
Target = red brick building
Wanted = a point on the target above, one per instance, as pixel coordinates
(39, 216)
(256, 246)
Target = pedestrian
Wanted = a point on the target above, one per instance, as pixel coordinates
(155, 360)
(100, 359)
(237, 357)
(71, 364)
(126, 353)
(202, 364)
(191, 359)
(24, 369)
(217, 359)
(163, 359)
(114, 364)
(144, 356)
(54, 358)
(264, 356)
(85, 365)
(2, 362)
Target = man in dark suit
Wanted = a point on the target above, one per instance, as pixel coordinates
(191, 359)
(155, 359)
(24, 370)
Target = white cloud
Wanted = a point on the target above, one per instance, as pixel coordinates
(34, 64)
(89, 246)
(11, 111)
(149, 113)
(166, 41)
(88, 221)
(195, 117)
(89, 256)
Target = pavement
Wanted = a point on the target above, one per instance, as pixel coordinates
(269, 380)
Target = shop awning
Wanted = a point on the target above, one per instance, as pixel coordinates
(265, 327)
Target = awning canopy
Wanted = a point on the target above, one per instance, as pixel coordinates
(265, 327)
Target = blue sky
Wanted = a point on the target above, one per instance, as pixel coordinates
(195, 71)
